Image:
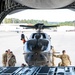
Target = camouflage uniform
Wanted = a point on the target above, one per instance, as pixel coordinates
(52, 57)
(4, 59)
(12, 61)
(53, 64)
(8, 58)
(65, 60)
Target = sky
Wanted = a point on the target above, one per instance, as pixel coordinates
(54, 15)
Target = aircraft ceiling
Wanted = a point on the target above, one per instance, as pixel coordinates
(12, 6)
(45, 3)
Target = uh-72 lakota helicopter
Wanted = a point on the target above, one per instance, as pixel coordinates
(37, 49)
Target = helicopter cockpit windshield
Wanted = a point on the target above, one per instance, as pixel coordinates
(37, 43)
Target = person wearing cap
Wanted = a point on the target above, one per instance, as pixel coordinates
(65, 59)
(4, 58)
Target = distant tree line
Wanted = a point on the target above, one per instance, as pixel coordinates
(67, 23)
(31, 21)
(14, 20)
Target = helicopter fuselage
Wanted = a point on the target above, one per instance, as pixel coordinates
(37, 50)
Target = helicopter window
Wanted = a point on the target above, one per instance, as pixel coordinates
(31, 43)
(44, 43)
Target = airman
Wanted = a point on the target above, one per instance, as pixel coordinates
(65, 59)
(4, 58)
(12, 60)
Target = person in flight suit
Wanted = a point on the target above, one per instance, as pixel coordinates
(4, 58)
(65, 59)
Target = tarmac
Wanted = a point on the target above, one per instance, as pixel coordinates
(60, 41)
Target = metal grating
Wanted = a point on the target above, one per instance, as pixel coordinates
(37, 70)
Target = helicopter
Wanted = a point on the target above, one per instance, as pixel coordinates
(37, 49)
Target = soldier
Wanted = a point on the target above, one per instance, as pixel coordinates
(65, 59)
(12, 60)
(4, 58)
(53, 51)
(23, 38)
(51, 57)
(8, 56)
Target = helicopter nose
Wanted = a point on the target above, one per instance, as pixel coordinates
(36, 58)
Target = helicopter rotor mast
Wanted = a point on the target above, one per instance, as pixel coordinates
(39, 26)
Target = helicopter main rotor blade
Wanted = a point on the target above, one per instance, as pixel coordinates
(38, 26)
(27, 27)
(51, 26)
